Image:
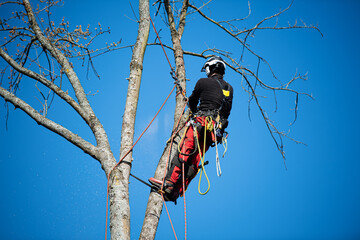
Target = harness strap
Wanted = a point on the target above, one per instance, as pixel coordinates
(225, 92)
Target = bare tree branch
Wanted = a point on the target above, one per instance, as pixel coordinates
(74, 80)
(52, 126)
(10, 2)
(46, 83)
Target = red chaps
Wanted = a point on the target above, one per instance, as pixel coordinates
(189, 155)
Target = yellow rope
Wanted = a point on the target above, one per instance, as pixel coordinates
(202, 156)
(208, 127)
(182, 138)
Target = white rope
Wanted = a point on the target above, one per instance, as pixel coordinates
(218, 167)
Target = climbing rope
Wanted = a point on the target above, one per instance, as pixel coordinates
(218, 167)
(167, 211)
(183, 183)
(202, 156)
(224, 142)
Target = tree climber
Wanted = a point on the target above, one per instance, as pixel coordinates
(210, 105)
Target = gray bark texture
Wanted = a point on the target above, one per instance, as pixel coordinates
(155, 204)
(119, 189)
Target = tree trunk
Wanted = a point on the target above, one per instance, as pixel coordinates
(119, 190)
(154, 206)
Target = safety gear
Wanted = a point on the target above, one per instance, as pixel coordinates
(187, 156)
(155, 182)
(168, 189)
(214, 65)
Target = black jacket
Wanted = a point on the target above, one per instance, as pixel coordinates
(208, 93)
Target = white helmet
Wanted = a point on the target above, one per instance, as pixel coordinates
(214, 65)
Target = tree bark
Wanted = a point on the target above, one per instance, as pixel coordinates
(119, 188)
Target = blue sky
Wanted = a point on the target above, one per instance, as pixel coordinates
(52, 190)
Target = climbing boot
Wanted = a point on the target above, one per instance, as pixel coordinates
(155, 182)
(170, 192)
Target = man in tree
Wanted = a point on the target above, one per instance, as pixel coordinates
(210, 105)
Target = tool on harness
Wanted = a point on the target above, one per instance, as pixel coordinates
(205, 163)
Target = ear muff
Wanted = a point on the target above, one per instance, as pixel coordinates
(207, 70)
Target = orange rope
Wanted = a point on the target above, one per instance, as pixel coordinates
(161, 44)
(184, 190)
(172, 226)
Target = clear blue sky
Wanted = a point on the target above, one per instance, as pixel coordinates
(51, 190)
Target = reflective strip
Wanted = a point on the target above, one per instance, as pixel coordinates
(226, 93)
